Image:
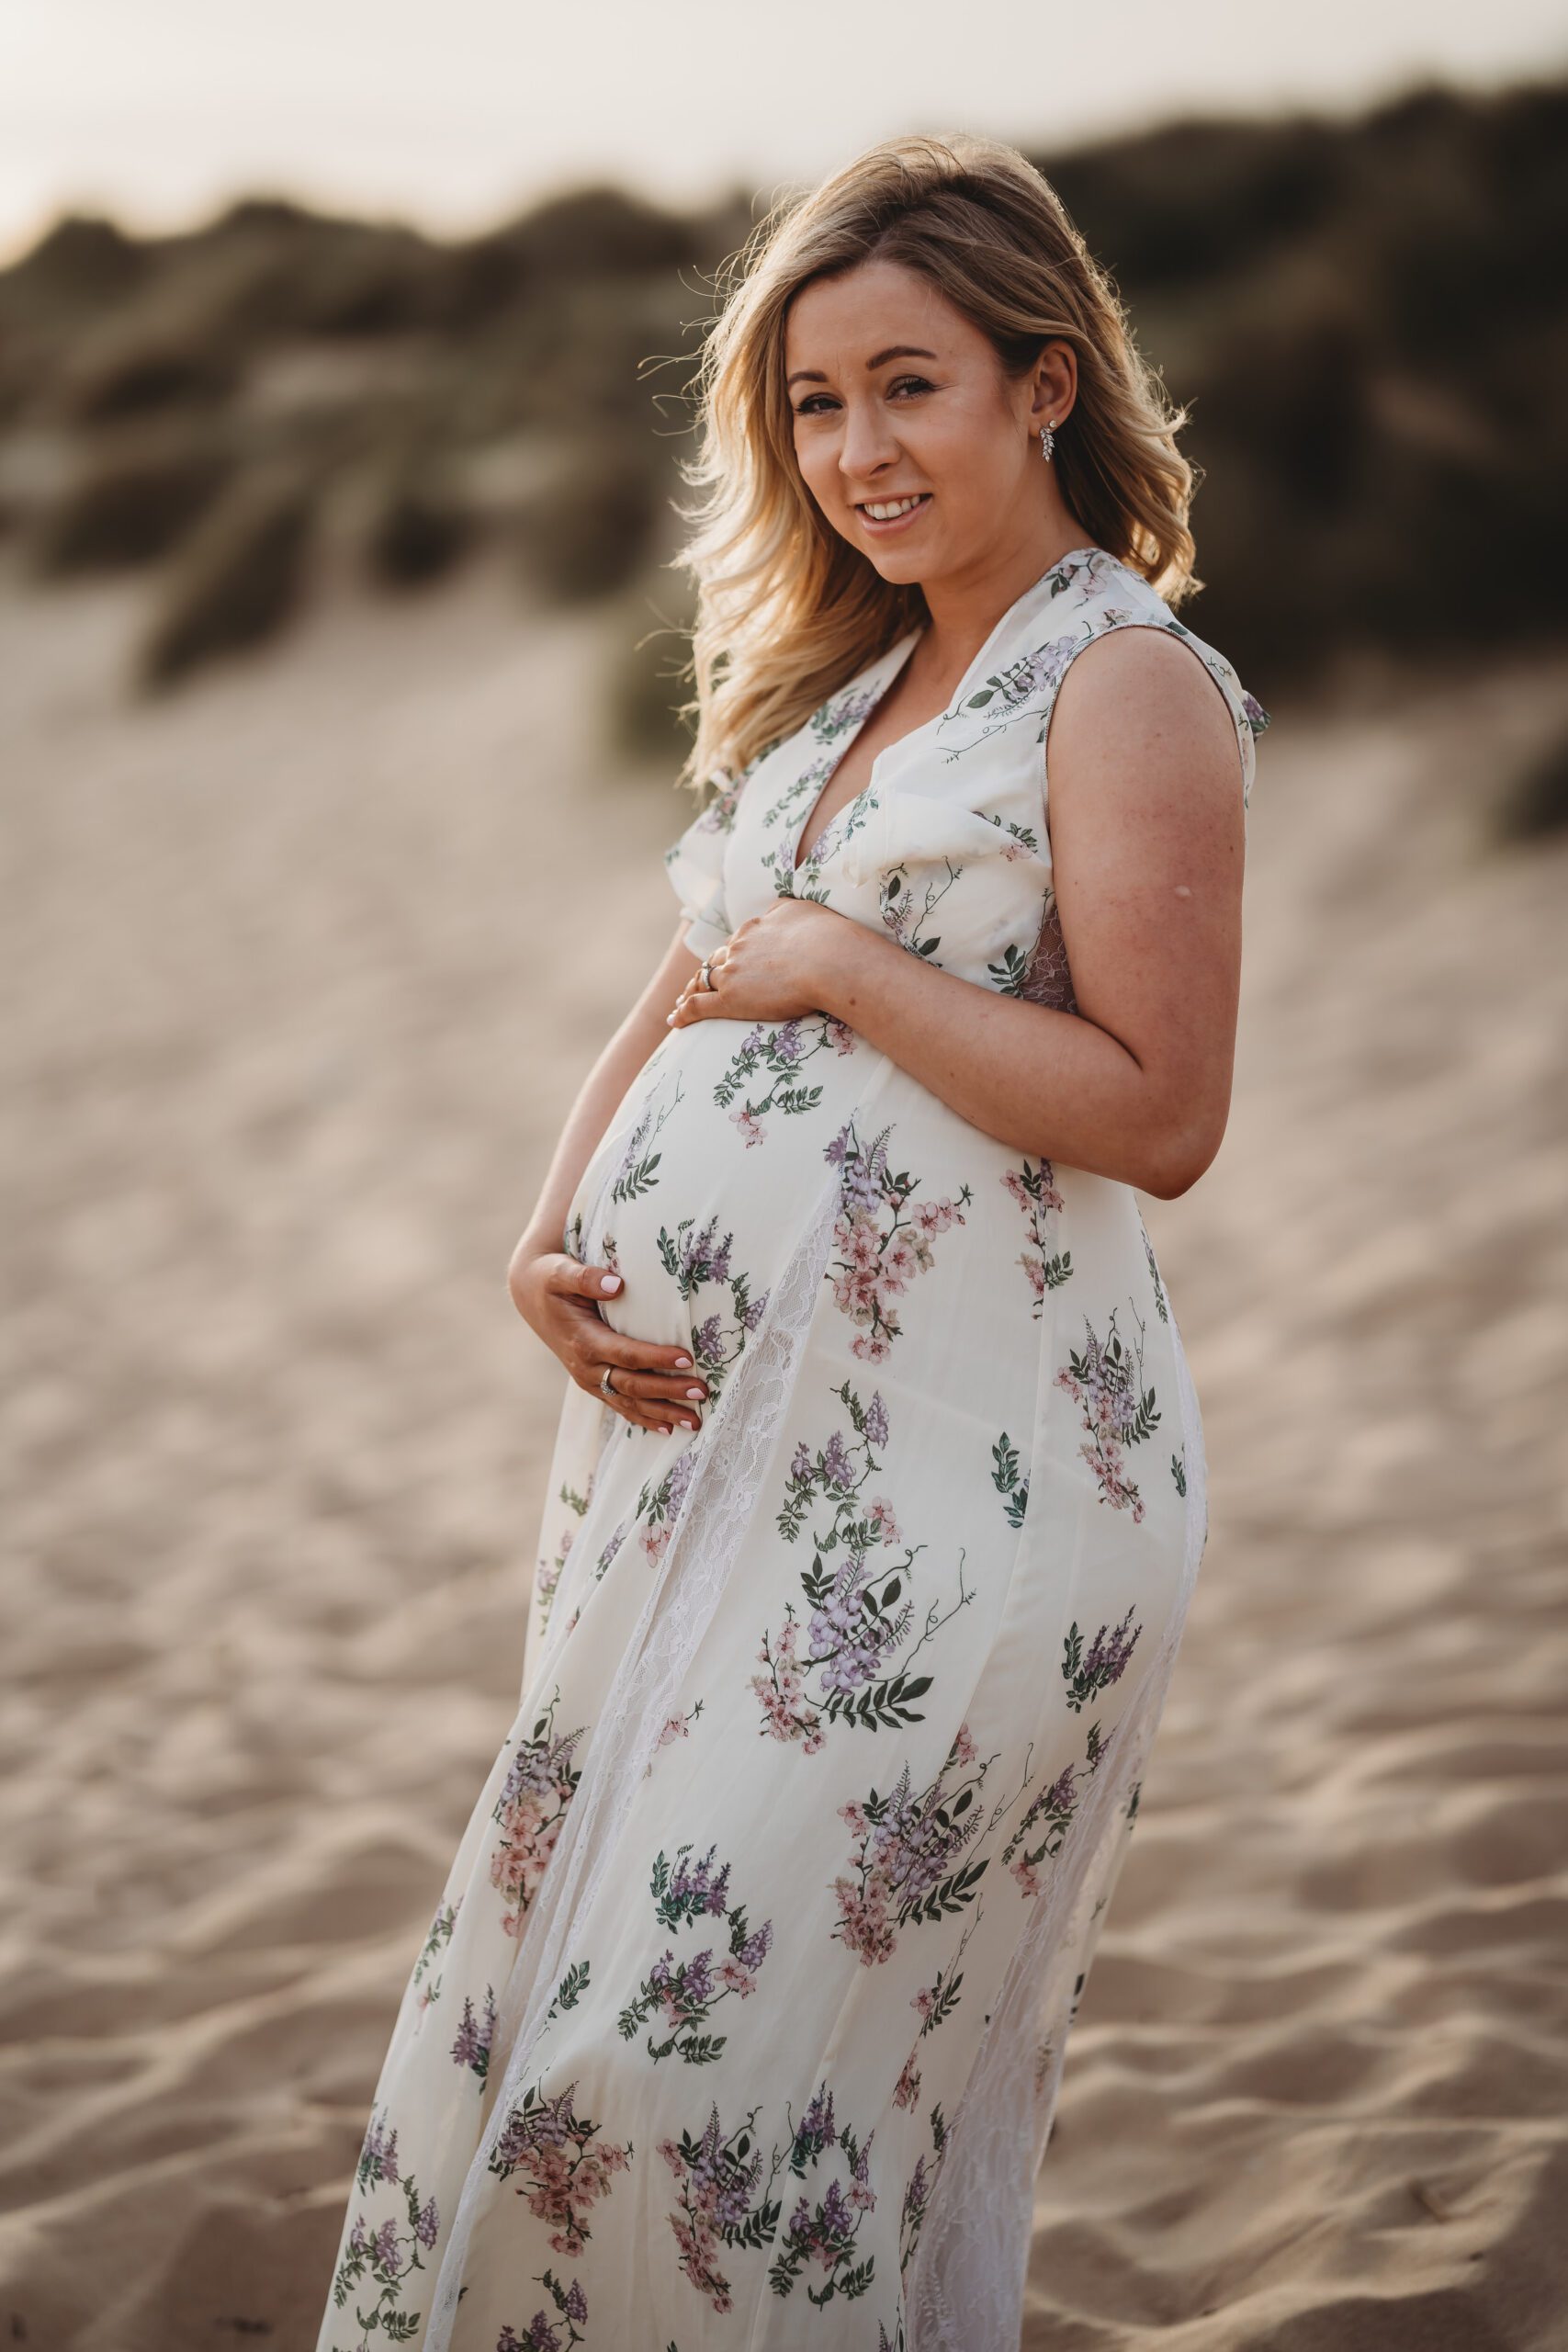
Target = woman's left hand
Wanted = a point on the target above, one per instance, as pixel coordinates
(771, 967)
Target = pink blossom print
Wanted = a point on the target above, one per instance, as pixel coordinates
(1045, 1267)
(882, 1241)
(555, 2161)
(532, 1805)
(1119, 1411)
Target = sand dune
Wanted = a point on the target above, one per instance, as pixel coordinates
(303, 969)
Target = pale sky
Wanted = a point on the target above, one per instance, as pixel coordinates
(457, 112)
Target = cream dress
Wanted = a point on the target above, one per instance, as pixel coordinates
(740, 2019)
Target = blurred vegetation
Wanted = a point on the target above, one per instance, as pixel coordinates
(1366, 319)
(239, 574)
(1537, 799)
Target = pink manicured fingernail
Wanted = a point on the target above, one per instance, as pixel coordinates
(694, 1392)
(682, 1364)
(609, 1282)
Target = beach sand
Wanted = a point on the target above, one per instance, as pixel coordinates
(303, 967)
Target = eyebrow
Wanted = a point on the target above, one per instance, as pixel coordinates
(877, 359)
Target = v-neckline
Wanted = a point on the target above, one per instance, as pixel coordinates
(903, 648)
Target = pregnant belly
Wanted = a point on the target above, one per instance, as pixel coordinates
(715, 1158)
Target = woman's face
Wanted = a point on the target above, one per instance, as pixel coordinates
(897, 397)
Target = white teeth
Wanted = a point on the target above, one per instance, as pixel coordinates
(885, 513)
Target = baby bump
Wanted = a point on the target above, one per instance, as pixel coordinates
(716, 1155)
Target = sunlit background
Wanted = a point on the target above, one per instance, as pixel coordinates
(342, 367)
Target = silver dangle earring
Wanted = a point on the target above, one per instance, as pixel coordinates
(1047, 439)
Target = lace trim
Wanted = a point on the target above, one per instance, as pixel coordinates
(968, 2289)
(697, 1561)
(1047, 979)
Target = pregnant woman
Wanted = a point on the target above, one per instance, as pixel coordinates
(878, 1493)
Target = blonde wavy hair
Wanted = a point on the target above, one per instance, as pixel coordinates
(787, 610)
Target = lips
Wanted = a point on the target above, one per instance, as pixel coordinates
(892, 522)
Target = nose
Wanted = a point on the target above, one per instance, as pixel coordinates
(869, 445)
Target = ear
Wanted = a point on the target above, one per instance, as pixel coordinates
(1055, 384)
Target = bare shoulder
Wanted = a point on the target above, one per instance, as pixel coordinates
(1140, 706)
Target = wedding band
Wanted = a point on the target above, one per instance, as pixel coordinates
(704, 977)
(605, 1386)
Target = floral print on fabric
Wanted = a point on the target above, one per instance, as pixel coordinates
(833, 1711)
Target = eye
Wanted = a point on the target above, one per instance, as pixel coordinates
(918, 383)
(807, 407)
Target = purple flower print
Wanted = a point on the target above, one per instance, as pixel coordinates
(860, 1618)
(542, 2334)
(1010, 694)
(909, 1860)
(475, 2034)
(717, 2205)
(436, 1940)
(378, 2155)
(764, 1074)
(822, 2231)
(695, 1258)
(1087, 1672)
(389, 2256)
(639, 1169)
(1118, 1411)
(685, 1993)
(1051, 1813)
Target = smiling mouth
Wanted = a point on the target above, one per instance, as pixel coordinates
(893, 510)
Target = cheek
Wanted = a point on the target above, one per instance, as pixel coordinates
(819, 471)
(970, 462)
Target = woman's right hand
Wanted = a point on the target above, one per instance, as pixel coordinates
(653, 1388)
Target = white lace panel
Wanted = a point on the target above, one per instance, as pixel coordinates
(1046, 979)
(698, 1562)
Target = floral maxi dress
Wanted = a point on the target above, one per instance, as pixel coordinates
(741, 2018)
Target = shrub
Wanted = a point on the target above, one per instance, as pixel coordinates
(147, 359)
(1537, 802)
(237, 580)
(418, 528)
(587, 532)
(131, 499)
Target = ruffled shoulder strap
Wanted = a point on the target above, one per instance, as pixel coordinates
(695, 861)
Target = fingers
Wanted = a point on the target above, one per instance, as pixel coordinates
(585, 1281)
(654, 1385)
(697, 1002)
(649, 1401)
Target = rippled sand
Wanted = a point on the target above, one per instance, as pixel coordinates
(302, 970)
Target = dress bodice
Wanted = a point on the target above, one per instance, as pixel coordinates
(947, 848)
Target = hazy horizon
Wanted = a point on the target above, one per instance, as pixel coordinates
(162, 116)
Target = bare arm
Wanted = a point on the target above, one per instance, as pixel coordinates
(1146, 839)
(656, 1386)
